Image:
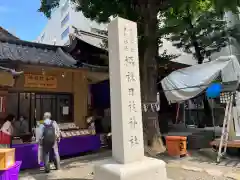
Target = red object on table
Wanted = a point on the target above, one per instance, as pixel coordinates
(5, 138)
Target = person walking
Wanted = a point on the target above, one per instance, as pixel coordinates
(49, 138)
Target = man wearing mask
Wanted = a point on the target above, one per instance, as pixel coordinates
(21, 126)
(49, 138)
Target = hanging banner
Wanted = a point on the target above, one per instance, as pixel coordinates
(2, 104)
(40, 81)
(151, 107)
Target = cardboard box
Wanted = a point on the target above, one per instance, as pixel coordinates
(7, 158)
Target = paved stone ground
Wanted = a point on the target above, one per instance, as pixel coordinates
(188, 168)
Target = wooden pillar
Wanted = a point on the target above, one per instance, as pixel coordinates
(3, 101)
(80, 92)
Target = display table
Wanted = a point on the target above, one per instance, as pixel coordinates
(28, 153)
(12, 173)
(78, 144)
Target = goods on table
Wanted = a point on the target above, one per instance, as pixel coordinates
(70, 129)
(68, 126)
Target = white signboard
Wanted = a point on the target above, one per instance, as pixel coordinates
(65, 110)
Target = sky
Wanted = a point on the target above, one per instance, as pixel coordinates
(21, 18)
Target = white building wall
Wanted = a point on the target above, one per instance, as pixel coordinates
(52, 33)
(232, 49)
(80, 22)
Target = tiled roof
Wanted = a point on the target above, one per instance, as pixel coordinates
(28, 54)
(14, 49)
(5, 34)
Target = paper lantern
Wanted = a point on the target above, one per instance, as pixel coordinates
(214, 90)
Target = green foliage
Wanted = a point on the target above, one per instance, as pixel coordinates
(47, 6)
(144, 13)
(200, 6)
(97, 10)
(209, 31)
(102, 10)
(199, 28)
(194, 25)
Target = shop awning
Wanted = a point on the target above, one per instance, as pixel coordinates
(188, 82)
(95, 77)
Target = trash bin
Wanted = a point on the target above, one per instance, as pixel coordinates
(176, 145)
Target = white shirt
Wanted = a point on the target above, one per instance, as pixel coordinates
(7, 128)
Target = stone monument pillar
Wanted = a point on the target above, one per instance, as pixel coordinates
(128, 161)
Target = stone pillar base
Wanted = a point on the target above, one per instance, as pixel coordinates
(147, 169)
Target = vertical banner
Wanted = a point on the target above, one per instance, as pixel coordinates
(2, 104)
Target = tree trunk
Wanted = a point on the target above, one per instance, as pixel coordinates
(152, 138)
(200, 58)
(195, 43)
(197, 50)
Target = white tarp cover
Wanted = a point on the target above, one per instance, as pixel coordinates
(187, 83)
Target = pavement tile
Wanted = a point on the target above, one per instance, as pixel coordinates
(235, 176)
(191, 168)
(214, 172)
(179, 169)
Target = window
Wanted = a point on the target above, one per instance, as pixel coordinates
(65, 20)
(34, 105)
(67, 43)
(19, 104)
(54, 103)
(65, 33)
(12, 104)
(64, 7)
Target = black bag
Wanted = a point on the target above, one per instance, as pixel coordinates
(49, 136)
